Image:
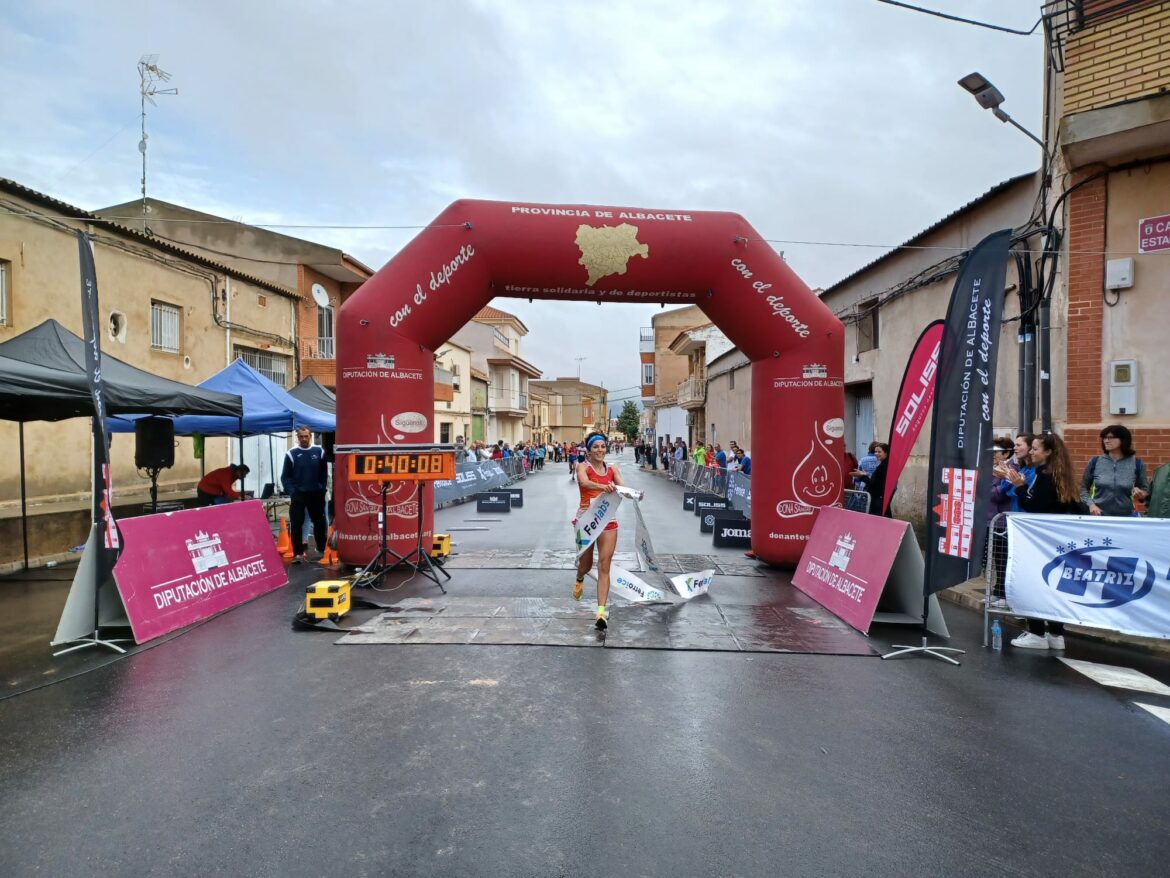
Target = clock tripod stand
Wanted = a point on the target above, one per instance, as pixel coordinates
(386, 464)
(387, 559)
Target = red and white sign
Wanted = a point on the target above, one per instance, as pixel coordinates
(181, 567)
(956, 511)
(847, 562)
(1154, 234)
(915, 398)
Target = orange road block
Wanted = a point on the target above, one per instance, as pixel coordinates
(330, 559)
(284, 542)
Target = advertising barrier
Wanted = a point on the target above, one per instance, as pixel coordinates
(180, 567)
(1095, 571)
(853, 562)
(471, 479)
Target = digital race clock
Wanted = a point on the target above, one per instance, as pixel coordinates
(401, 463)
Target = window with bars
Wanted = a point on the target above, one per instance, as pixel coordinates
(5, 286)
(165, 327)
(272, 366)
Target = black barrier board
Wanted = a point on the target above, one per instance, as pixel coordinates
(689, 500)
(733, 533)
(516, 495)
(705, 502)
(708, 518)
(494, 501)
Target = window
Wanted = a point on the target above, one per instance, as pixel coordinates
(325, 332)
(647, 373)
(445, 432)
(274, 367)
(5, 284)
(731, 378)
(867, 326)
(164, 327)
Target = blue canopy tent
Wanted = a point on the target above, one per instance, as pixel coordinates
(268, 408)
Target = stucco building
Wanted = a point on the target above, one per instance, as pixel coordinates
(494, 338)
(323, 277)
(575, 408)
(175, 313)
(665, 371)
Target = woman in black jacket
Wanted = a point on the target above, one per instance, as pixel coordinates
(875, 485)
(1053, 491)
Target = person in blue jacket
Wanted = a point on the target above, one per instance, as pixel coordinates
(305, 476)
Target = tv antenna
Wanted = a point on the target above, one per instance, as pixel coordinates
(149, 77)
(579, 359)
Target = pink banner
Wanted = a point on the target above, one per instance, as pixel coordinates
(180, 567)
(915, 398)
(847, 562)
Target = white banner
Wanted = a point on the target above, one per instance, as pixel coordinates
(626, 585)
(588, 526)
(1111, 573)
(642, 545)
(690, 585)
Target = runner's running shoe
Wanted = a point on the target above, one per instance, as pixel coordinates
(578, 589)
(602, 619)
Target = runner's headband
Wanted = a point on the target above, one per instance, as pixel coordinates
(593, 437)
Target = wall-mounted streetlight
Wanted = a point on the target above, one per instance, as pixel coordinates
(990, 98)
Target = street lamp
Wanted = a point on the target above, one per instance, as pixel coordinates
(989, 98)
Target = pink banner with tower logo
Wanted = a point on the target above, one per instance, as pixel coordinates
(847, 561)
(180, 567)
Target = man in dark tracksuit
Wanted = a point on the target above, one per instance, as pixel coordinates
(304, 477)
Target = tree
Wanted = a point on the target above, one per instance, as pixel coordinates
(628, 420)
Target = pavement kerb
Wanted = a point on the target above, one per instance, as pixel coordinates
(970, 594)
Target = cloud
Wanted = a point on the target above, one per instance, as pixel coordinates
(833, 121)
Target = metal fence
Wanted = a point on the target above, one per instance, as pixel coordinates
(994, 596)
(737, 487)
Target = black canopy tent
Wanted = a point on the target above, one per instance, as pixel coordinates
(43, 378)
(312, 392)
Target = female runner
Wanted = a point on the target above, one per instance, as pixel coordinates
(593, 478)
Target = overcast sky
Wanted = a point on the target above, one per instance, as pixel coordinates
(829, 121)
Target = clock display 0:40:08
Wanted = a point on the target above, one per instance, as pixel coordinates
(410, 463)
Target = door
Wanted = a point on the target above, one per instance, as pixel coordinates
(863, 424)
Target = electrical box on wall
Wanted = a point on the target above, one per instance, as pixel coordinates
(1119, 274)
(1123, 387)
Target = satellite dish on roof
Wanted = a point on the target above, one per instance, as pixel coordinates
(320, 295)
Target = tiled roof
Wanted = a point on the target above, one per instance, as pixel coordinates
(76, 213)
(488, 314)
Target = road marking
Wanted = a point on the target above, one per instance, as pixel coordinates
(1118, 677)
(1162, 713)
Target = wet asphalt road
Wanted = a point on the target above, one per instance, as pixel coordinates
(244, 748)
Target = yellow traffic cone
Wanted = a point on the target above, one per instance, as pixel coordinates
(284, 542)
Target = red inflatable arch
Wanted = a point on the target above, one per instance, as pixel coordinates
(478, 250)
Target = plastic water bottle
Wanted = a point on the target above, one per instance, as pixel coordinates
(996, 636)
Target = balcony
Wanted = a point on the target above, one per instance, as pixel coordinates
(692, 393)
(510, 404)
(646, 340)
(318, 349)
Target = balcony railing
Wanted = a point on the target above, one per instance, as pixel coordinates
(318, 349)
(692, 393)
(646, 340)
(510, 401)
